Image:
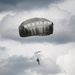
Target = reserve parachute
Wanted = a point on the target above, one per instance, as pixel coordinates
(36, 27)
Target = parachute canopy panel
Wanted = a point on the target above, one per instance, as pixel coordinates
(36, 26)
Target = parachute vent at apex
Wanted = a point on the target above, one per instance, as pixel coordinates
(36, 26)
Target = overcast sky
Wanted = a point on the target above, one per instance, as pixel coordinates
(57, 55)
(20, 5)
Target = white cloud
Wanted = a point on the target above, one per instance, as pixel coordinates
(28, 49)
(67, 62)
(3, 53)
(68, 5)
(20, 65)
(54, 56)
(3, 14)
(10, 23)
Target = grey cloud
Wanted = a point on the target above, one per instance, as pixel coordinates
(72, 23)
(3, 54)
(2, 48)
(19, 65)
(48, 66)
(17, 5)
(61, 36)
(18, 1)
(14, 65)
(65, 34)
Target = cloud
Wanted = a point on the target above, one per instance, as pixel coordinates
(58, 50)
(13, 65)
(55, 59)
(21, 59)
(62, 31)
(28, 49)
(20, 65)
(18, 1)
(67, 62)
(68, 5)
(20, 5)
(3, 53)
(49, 67)
(2, 48)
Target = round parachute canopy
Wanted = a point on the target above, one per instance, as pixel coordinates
(36, 27)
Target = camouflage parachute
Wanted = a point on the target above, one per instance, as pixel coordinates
(36, 26)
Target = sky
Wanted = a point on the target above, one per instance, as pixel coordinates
(57, 56)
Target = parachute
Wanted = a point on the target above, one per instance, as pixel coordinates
(36, 27)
